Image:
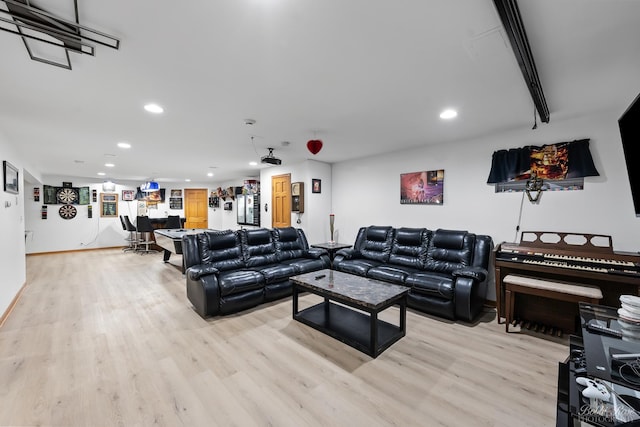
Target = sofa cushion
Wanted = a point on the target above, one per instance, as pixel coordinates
(410, 247)
(390, 273)
(221, 250)
(259, 247)
(376, 244)
(358, 266)
(288, 243)
(449, 250)
(276, 272)
(431, 284)
(236, 281)
(306, 265)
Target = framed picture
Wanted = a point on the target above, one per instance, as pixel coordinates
(316, 186)
(108, 205)
(175, 202)
(10, 178)
(176, 193)
(422, 188)
(155, 196)
(128, 195)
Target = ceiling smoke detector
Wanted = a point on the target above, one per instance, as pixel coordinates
(270, 158)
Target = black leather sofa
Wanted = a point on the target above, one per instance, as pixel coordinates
(447, 270)
(230, 271)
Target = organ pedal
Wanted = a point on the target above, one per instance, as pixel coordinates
(537, 327)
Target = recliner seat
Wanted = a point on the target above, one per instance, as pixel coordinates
(447, 270)
(230, 271)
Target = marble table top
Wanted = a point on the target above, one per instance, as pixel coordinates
(359, 290)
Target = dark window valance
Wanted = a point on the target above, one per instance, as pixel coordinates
(564, 160)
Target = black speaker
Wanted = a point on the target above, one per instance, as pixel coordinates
(629, 125)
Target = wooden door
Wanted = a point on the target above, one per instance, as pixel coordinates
(281, 201)
(196, 208)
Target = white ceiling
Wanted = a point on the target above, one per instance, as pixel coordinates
(365, 76)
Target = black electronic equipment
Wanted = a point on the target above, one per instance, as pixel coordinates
(629, 124)
(271, 159)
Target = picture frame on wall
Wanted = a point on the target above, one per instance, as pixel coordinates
(108, 205)
(128, 195)
(422, 188)
(10, 174)
(175, 202)
(316, 186)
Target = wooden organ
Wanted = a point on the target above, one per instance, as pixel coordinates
(578, 258)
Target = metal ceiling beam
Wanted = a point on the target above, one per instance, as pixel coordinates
(513, 25)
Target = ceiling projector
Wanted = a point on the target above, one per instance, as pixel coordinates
(270, 159)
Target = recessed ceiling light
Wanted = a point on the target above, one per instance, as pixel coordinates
(101, 173)
(154, 108)
(210, 174)
(124, 144)
(253, 163)
(448, 114)
(188, 180)
(109, 165)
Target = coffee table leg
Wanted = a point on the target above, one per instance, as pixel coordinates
(295, 299)
(374, 334)
(403, 316)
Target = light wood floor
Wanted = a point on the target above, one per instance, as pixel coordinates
(104, 338)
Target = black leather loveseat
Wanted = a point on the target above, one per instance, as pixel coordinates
(447, 270)
(230, 271)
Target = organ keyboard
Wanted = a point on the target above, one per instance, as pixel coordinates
(574, 257)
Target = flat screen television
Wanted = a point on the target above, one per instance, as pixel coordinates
(629, 124)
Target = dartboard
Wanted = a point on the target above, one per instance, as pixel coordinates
(67, 195)
(68, 212)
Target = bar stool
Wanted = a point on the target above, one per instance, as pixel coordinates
(144, 227)
(173, 221)
(133, 234)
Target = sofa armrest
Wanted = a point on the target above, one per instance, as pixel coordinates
(348, 253)
(469, 296)
(197, 271)
(475, 273)
(204, 293)
(315, 253)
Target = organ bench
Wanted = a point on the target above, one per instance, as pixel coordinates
(552, 289)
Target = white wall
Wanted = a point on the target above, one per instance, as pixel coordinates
(57, 234)
(369, 190)
(12, 244)
(315, 219)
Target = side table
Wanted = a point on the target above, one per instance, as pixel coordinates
(332, 248)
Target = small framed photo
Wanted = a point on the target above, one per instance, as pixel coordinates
(128, 195)
(316, 186)
(108, 205)
(10, 178)
(176, 193)
(175, 202)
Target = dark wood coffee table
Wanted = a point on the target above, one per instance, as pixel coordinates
(354, 321)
